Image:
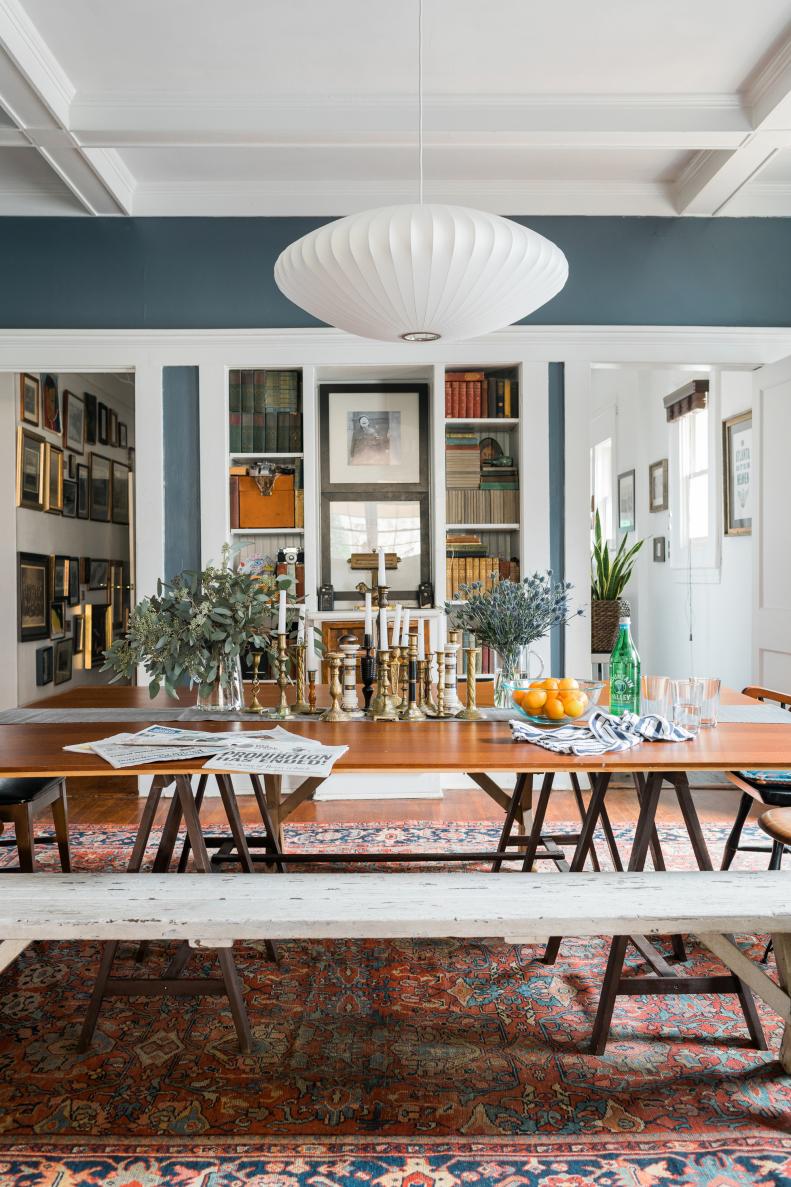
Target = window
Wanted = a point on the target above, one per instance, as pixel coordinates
(693, 455)
(694, 493)
(601, 485)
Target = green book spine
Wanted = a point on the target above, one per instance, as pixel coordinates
(235, 411)
(259, 406)
(295, 432)
(248, 412)
(283, 432)
(270, 432)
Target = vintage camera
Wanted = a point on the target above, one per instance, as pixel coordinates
(290, 555)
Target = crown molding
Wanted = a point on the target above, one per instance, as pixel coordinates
(23, 43)
(769, 86)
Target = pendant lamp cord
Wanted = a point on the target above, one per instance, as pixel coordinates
(420, 99)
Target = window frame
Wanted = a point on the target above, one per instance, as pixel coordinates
(697, 560)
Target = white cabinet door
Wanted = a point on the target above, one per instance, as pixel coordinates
(772, 525)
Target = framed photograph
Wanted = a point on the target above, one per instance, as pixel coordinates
(123, 437)
(98, 634)
(29, 399)
(53, 490)
(626, 505)
(74, 580)
(374, 435)
(359, 525)
(31, 456)
(98, 574)
(33, 596)
(112, 427)
(57, 619)
(83, 492)
(63, 661)
(51, 405)
(43, 666)
(103, 424)
(101, 470)
(71, 466)
(116, 582)
(120, 493)
(90, 418)
(59, 569)
(657, 486)
(69, 498)
(737, 479)
(660, 550)
(77, 634)
(73, 422)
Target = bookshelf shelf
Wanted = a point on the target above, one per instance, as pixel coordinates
(249, 457)
(267, 531)
(482, 527)
(493, 422)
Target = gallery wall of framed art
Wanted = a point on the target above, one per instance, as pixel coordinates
(74, 451)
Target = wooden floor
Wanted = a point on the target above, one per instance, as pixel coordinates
(100, 802)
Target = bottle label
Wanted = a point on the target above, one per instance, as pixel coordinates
(622, 687)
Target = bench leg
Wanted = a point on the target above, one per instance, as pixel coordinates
(782, 948)
(97, 997)
(10, 950)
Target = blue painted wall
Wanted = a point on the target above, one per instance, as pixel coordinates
(203, 272)
(181, 448)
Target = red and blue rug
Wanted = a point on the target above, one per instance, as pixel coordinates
(393, 1063)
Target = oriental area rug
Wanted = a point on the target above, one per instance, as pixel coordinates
(419, 1063)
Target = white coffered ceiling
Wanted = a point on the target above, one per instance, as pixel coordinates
(279, 107)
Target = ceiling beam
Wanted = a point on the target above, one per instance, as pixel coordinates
(37, 95)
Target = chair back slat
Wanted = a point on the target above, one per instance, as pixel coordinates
(783, 699)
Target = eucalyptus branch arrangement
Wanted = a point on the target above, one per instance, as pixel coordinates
(196, 627)
(513, 613)
(610, 575)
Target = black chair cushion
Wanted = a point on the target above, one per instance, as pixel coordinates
(23, 791)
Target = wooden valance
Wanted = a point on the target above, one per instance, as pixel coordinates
(689, 398)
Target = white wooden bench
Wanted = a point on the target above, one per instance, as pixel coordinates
(214, 911)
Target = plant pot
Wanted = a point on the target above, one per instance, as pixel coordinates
(604, 623)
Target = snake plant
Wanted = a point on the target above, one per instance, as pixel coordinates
(610, 575)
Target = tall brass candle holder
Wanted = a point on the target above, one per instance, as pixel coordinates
(301, 706)
(282, 711)
(312, 692)
(335, 712)
(255, 705)
(381, 592)
(471, 711)
(428, 704)
(412, 712)
(395, 673)
(384, 705)
(440, 684)
(368, 671)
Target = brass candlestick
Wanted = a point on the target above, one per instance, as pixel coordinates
(384, 704)
(428, 705)
(440, 684)
(282, 711)
(471, 712)
(381, 592)
(335, 712)
(312, 692)
(301, 706)
(412, 712)
(395, 673)
(255, 705)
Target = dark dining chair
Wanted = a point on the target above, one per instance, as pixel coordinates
(772, 788)
(21, 801)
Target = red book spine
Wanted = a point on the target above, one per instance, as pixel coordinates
(463, 398)
(448, 398)
(455, 398)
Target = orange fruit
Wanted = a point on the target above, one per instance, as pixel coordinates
(568, 682)
(583, 696)
(537, 684)
(549, 683)
(575, 706)
(534, 700)
(554, 709)
(517, 695)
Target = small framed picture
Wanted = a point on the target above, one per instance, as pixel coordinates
(74, 580)
(57, 619)
(101, 470)
(98, 634)
(77, 634)
(83, 492)
(51, 405)
(53, 491)
(69, 498)
(123, 437)
(657, 486)
(29, 399)
(71, 466)
(103, 424)
(73, 422)
(120, 497)
(31, 456)
(660, 550)
(59, 568)
(63, 661)
(33, 595)
(737, 479)
(91, 425)
(98, 574)
(112, 427)
(374, 434)
(43, 666)
(626, 505)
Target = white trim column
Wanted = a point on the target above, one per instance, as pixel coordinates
(577, 518)
(214, 508)
(9, 648)
(149, 478)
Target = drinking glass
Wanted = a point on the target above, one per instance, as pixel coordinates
(656, 696)
(687, 703)
(710, 707)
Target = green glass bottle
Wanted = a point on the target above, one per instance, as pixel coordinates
(624, 672)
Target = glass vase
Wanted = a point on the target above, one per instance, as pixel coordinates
(226, 694)
(514, 667)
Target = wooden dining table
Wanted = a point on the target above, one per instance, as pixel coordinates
(480, 749)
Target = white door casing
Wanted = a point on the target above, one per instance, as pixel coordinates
(772, 525)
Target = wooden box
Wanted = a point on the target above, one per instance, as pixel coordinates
(273, 510)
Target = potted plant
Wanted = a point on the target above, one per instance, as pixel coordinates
(509, 617)
(194, 630)
(609, 578)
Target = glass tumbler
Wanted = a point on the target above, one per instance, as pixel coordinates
(710, 707)
(656, 696)
(688, 703)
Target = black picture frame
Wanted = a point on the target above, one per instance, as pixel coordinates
(112, 427)
(73, 422)
(63, 661)
(103, 423)
(90, 418)
(74, 580)
(57, 618)
(77, 634)
(101, 487)
(120, 493)
(59, 572)
(98, 573)
(123, 436)
(33, 596)
(83, 492)
(44, 666)
(69, 498)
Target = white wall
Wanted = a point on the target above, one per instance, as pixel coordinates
(38, 531)
(666, 607)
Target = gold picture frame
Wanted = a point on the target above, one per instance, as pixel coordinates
(31, 456)
(737, 495)
(53, 480)
(30, 399)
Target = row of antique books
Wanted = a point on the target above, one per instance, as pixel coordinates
(481, 506)
(263, 412)
(465, 569)
(474, 394)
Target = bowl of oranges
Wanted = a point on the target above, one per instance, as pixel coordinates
(561, 701)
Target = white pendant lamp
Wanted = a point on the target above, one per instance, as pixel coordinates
(420, 272)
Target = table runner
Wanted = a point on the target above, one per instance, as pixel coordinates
(75, 716)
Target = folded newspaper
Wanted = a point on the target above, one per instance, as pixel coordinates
(270, 751)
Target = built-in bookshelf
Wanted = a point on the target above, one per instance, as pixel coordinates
(482, 497)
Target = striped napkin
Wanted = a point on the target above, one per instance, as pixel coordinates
(601, 733)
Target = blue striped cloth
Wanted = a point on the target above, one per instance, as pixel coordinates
(601, 733)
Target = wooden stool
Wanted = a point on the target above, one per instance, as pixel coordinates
(776, 823)
(21, 800)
